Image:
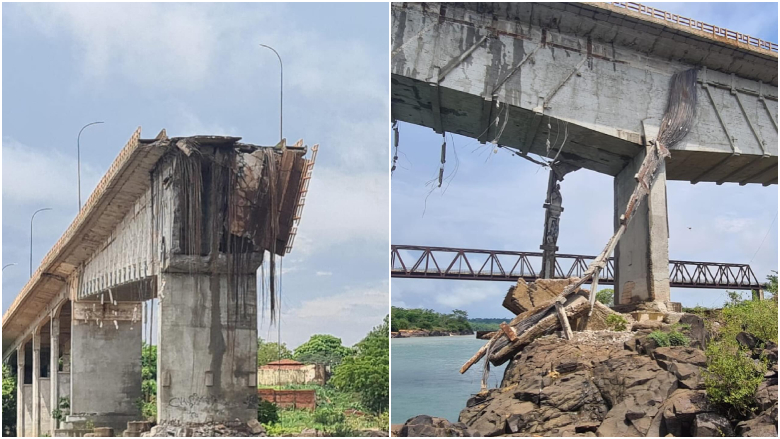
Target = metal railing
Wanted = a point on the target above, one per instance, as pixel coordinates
(424, 262)
(715, 31)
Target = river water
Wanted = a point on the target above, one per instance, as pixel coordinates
(425, 377)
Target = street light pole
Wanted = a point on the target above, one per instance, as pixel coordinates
(281, 90)
(31, 235)
(78, 157)
(8, 265)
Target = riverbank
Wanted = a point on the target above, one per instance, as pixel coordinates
(407, 333)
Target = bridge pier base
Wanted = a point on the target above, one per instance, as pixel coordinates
(207, 352)
(106, 363)
(642, 254)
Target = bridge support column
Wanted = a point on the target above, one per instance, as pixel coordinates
(207, 352)
(106, 362)
(20, 354)
(36, 382)
(642, 255)
(54, 372)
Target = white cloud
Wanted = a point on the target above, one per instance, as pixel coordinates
(343, 207)
(32, 177)
(171, 45)
(349, 315)
(468, 293)
(324, 273)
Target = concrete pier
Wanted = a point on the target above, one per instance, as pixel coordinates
(106, 363)
(218, 379)
(642, 254)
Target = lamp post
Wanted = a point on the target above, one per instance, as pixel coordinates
(281, 89)
(31, 235)
(78, 156)
(8, 265)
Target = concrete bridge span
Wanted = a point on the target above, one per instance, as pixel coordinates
(186, 221)
(503, 72)
(526, 76)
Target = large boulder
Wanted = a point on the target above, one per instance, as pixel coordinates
(634, 387)
(684, 362)
(698, 332)
(763, 425)
(678, 412)
(711, 425)
(428, 426)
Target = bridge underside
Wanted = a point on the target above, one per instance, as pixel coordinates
(526, 131)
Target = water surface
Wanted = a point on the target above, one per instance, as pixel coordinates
(425, 377)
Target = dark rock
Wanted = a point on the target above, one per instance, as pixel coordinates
(711, 425)
(746, 339)
(631, 386)
(766, 394)
(763, 425)
(645, 345)
(688, 375)
(771, 356)
(698, 333)
(679, 354)
(680, 410)
(427, 426)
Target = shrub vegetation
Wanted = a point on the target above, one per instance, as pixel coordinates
(732, 376)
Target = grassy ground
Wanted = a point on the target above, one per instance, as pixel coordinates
(334, 415)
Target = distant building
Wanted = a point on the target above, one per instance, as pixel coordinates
(284, 372)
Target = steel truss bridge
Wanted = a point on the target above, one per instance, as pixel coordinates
(421, 262)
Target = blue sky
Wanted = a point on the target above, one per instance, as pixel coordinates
(495, 202)
(197, 69)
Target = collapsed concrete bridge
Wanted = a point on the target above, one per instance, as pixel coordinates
(520, 75)
(186, 221)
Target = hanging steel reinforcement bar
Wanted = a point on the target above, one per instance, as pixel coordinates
(422, 262)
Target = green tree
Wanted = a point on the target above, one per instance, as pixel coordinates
(322, 349)
(606, 296)
(9, 402)
(148, 401)
(368, 371)
(270, 351)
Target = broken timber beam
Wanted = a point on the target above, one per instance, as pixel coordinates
(564, 320)
(528, 325)
(575, 306)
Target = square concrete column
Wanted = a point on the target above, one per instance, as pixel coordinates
(54, 372)
(642, 254)
(106, 362)
(20, 353)
(207, 352)
(36, 373)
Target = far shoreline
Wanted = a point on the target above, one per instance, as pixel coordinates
(414, 333)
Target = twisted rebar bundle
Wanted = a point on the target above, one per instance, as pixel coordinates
(680, 109)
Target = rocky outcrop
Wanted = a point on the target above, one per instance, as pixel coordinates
(485, 335)
(605, 383)
(428, 426)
